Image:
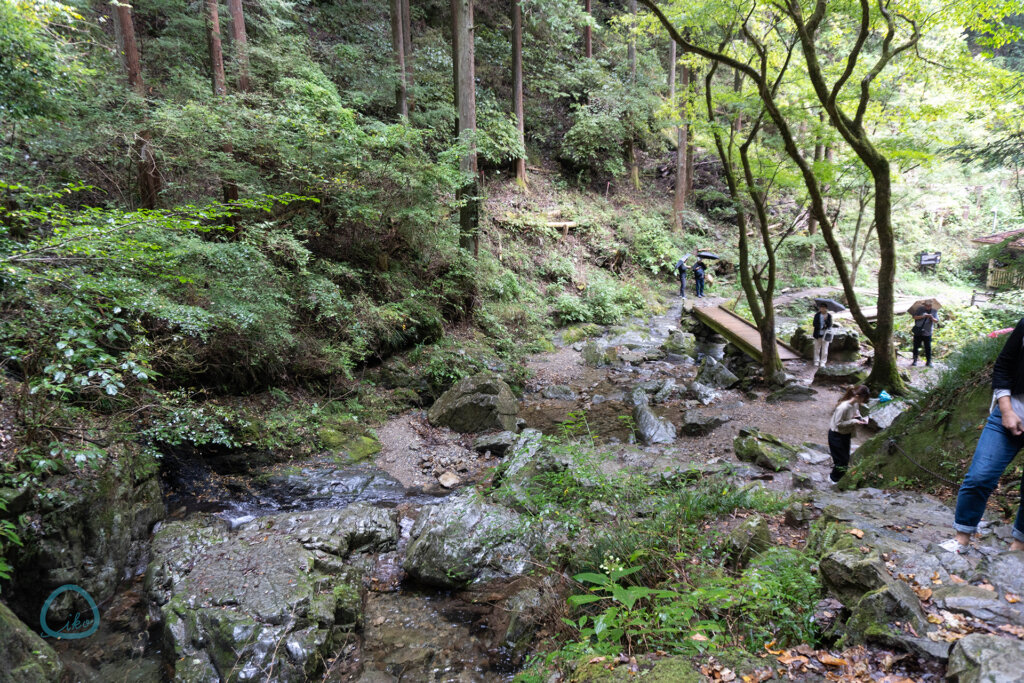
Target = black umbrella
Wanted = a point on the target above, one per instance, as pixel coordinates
(831, 304)
(707, 254)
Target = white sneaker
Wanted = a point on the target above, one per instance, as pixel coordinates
(955, 546)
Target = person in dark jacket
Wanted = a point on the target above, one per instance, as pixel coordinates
(822, 327)
(1001, 440)
(698, 277)
(681, 268)
(925, 318)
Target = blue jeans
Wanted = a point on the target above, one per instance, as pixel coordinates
(995, 451)
(699, 285)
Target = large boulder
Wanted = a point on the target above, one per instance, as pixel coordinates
(650, 428)
(715, 374)
(840, 373)
(749, 539)
(883, 415)
(849, 573)
(697, 423)
(791, 392)
(462, 540)
(983, 658)
(875, 617)
(24, 656)
(681, 343)
(702, 393)
(275, 594)
(845, 345)
(764, 450)
(476, 404)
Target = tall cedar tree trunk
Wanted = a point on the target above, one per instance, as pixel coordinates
(240, 43)
(219, 85)
(465, 88)
(517, 86)
(884, 370)
(398, 52)
(407, 53)
(634, 161)
(812, 220)
(588, 37)
(142, 148)
(679, 196)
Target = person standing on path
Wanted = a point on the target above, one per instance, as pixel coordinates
(681, 267)
(1001, 440)
(698, 277)
(924, 318)
(822, 335)
(845, 419)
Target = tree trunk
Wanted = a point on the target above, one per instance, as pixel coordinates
(634, 161)
(465, 87)
(682, 141)
(127, 48)
(142, 148)
(407, 50)
(588, 38)
(240, 43)
(216, 51)
(517, 87)
(398, 53)
(219, 81)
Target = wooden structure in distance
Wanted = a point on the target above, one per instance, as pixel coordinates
(740, 333)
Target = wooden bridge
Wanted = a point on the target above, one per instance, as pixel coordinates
(741, 333)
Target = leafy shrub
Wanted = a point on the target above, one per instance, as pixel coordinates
(653, 248)
(558, 268)
(569, 309)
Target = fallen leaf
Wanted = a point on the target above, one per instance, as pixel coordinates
(829, 660)
(984, 585)
(728, 675)
(957, 580)
(768, 646)
(934, 619)
(1012, 598)
(1015, 630)
(698, 636)
(855, 532)
(924, 593)
(595, 660)
(789, 659)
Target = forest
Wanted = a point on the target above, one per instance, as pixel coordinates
(476, 340)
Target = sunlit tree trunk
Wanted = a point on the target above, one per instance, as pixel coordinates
(465, 88)
(398, 53)
(517, 85)
(240, 43)
(219, 81)
(634, 161)
(407, 53)
(588, 38)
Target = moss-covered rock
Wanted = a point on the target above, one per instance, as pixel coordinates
(476, 404)
(749, 539)
(24, 656)
(983, 658)
(764, 450)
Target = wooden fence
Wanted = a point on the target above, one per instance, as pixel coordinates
(1006, 277)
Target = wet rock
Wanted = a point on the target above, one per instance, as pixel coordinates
(463, 540)
(559, 392)
(801, 480)
(497, 444)
(593, 354)
(883, 416)
(849, 573)
(476, 404)
(1006, 572)
(529, 610)
(798, 515)
(803, 343)
(875, 616)
(702, 393)
(654, 355)
(845, 345)
(649, 428)
(696, 423)
(791, 392)
(814, 457)
(681, 343)
(840, 373)
(24, 656)
(716, 375)
(983, 658)
(659, 390)
(764, 450)
(979, 603)
(274, 594)
(448, 480)
(750, 538)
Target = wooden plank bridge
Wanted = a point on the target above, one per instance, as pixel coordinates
(741, 333)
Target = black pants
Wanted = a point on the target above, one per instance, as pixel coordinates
(839, 447)
(699, 285)
(682, 284)
(920, 339)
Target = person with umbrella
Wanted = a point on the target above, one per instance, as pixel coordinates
(681, 268)
(822, 334)
(699, 268)
(925, 317)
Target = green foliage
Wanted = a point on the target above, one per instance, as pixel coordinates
(652, 246)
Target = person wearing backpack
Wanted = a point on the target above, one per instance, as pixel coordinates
(822, 335)
(698, 277)
(1001, 440)
(925, 318)
(681, 268)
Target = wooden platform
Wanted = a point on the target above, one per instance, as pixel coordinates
(740, 332)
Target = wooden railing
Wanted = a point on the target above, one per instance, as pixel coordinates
(1007, 277)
